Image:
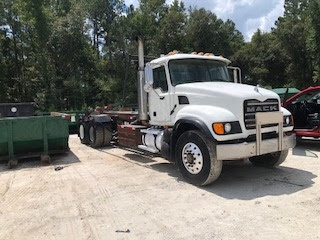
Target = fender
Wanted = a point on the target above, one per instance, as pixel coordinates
(285, 111)
(192, 123)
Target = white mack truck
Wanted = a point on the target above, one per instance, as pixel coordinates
(192, 113)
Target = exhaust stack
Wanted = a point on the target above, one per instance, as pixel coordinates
(142, 95)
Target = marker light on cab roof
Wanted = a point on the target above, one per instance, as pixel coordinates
(173, 52)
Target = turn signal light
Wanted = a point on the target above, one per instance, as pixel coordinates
(218, 128)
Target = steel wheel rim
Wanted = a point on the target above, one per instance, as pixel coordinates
(192, 158)
(81, 131)
(91, 134)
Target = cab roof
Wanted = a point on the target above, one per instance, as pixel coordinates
(166, 58)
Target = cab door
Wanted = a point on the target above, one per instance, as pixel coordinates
(159, 98)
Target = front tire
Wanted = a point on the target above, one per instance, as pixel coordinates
(269, 160)
(196, 158)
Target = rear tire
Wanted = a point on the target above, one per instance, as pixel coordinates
(196, 158)
(269, 160)
(84, 133)
(107, 136)
(96, 137)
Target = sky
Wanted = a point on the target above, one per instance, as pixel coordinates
(248, 15)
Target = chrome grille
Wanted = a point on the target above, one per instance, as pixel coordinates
(251, 107)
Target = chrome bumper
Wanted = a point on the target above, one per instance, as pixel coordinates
(246, 150)
(260, 147)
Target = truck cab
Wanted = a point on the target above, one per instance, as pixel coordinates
(194, 93)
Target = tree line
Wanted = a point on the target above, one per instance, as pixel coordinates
(74, 54)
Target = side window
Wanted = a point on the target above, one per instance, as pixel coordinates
(160, 79)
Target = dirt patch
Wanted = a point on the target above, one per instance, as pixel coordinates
(113, 193)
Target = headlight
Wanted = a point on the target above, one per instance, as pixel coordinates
(226, 128)
(287, 121)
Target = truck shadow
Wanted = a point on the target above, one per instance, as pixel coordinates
(246, 182)
(238, 180)
(306, 148)
(57, 159)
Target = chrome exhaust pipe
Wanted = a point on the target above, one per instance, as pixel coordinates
(142, 95)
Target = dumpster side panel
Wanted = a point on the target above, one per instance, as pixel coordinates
(3, 139)
(27, 135)
(33, 136)
(58, 133)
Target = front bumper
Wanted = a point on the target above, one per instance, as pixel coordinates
(259, 147)
(246, 150)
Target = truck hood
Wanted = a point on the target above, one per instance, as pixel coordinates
(222, 93)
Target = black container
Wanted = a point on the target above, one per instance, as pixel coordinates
(17, 109)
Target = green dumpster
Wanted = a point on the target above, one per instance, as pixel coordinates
(72, 116)
(288, 92)
(74, 120)
(25, 137)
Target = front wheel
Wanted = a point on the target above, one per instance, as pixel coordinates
(196, 158)
(269, 160)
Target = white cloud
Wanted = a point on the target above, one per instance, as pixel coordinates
(248, 15)
(264, 23)
(223, 8)
(169, 2)
(135, 3)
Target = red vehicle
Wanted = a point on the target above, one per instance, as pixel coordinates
(305, 109)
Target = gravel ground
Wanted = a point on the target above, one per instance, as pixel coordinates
(113, 193)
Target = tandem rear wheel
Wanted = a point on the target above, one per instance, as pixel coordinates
(84, 133)
(95, 134)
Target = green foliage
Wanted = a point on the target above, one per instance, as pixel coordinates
(172, 28)
(289, 55)
(291, 33)
(313, 38)
(263, 60)
(73, 54)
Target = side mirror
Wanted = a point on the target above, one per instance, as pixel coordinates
(236, 72)
(148, 73)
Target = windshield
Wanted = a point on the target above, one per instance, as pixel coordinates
(197, 70)
(313, 95)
